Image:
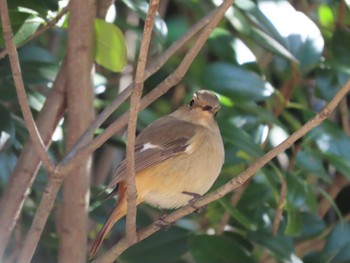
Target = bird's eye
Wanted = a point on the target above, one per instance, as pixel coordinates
(191, 103)
(208, 108)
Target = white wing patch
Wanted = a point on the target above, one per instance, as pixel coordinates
(149, 145)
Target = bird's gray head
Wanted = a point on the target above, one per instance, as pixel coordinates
(205, 100)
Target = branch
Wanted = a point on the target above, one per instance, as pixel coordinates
(123, 244)
(41, 30)
(67, 163)
(40, 218)
(74, 158)
(21, 93)
(131, 190)
(28, 163)
(153, 67)
(280, 205)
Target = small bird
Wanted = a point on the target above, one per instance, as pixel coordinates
(177, 157)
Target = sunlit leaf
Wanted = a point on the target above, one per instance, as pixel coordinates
(110, 46)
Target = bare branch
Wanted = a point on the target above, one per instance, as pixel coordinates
(280, 205)
(123, 244)
(21, 93)
(40, 218)
(162, 88)
(28, 163)
(153, 67)
(131, 190)
(74, 158)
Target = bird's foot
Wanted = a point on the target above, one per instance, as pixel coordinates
(162, 223)
(195, 197)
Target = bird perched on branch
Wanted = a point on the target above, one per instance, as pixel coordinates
(177, 157)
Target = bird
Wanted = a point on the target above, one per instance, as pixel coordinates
(177, 157)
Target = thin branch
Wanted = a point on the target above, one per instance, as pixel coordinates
(21, 93)
(123, 244)
(344, 115)
(41, 30)
(28, 163)
(76, 155)
(153, 67)
(280, 205)
(131, 190)
(40, 218)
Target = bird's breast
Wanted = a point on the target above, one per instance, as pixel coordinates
(194, 171)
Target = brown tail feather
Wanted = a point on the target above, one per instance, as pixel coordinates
(118, 212)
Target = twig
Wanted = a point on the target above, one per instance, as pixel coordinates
(344, 115)
(120, 247)
(288, 88)
(153, 67)
(41, 30)
(21, 93)
(162, 88)
(40, 219)
(131, 190)
(280, 205)
(59, 174)
(28, 162)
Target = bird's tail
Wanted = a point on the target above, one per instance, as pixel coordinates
(118, 212)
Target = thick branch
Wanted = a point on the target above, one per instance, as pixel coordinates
(80, 114)
(122, 245)
(76, 156)
(161, 89)
(21, 93)
(153, 67)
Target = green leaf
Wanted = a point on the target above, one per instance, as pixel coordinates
(341, 164)
(340, 45)
(294, 224)
(22, 26)
(325, 16)
(209, 249)
(110, 46)
(236, 214)
(221, 42)
(235, 81)
(337, 247)
(158, 248)
(311, 161)
(330, 139)
(311, 226)
(280, 246)
(296, 191)
(270, 44)
(26, 30)
(302, 37)
(240, 138)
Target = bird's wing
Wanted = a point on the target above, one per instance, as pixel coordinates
(162, 139)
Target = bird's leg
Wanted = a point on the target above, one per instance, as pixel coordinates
(162, 223)
(191, 202)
